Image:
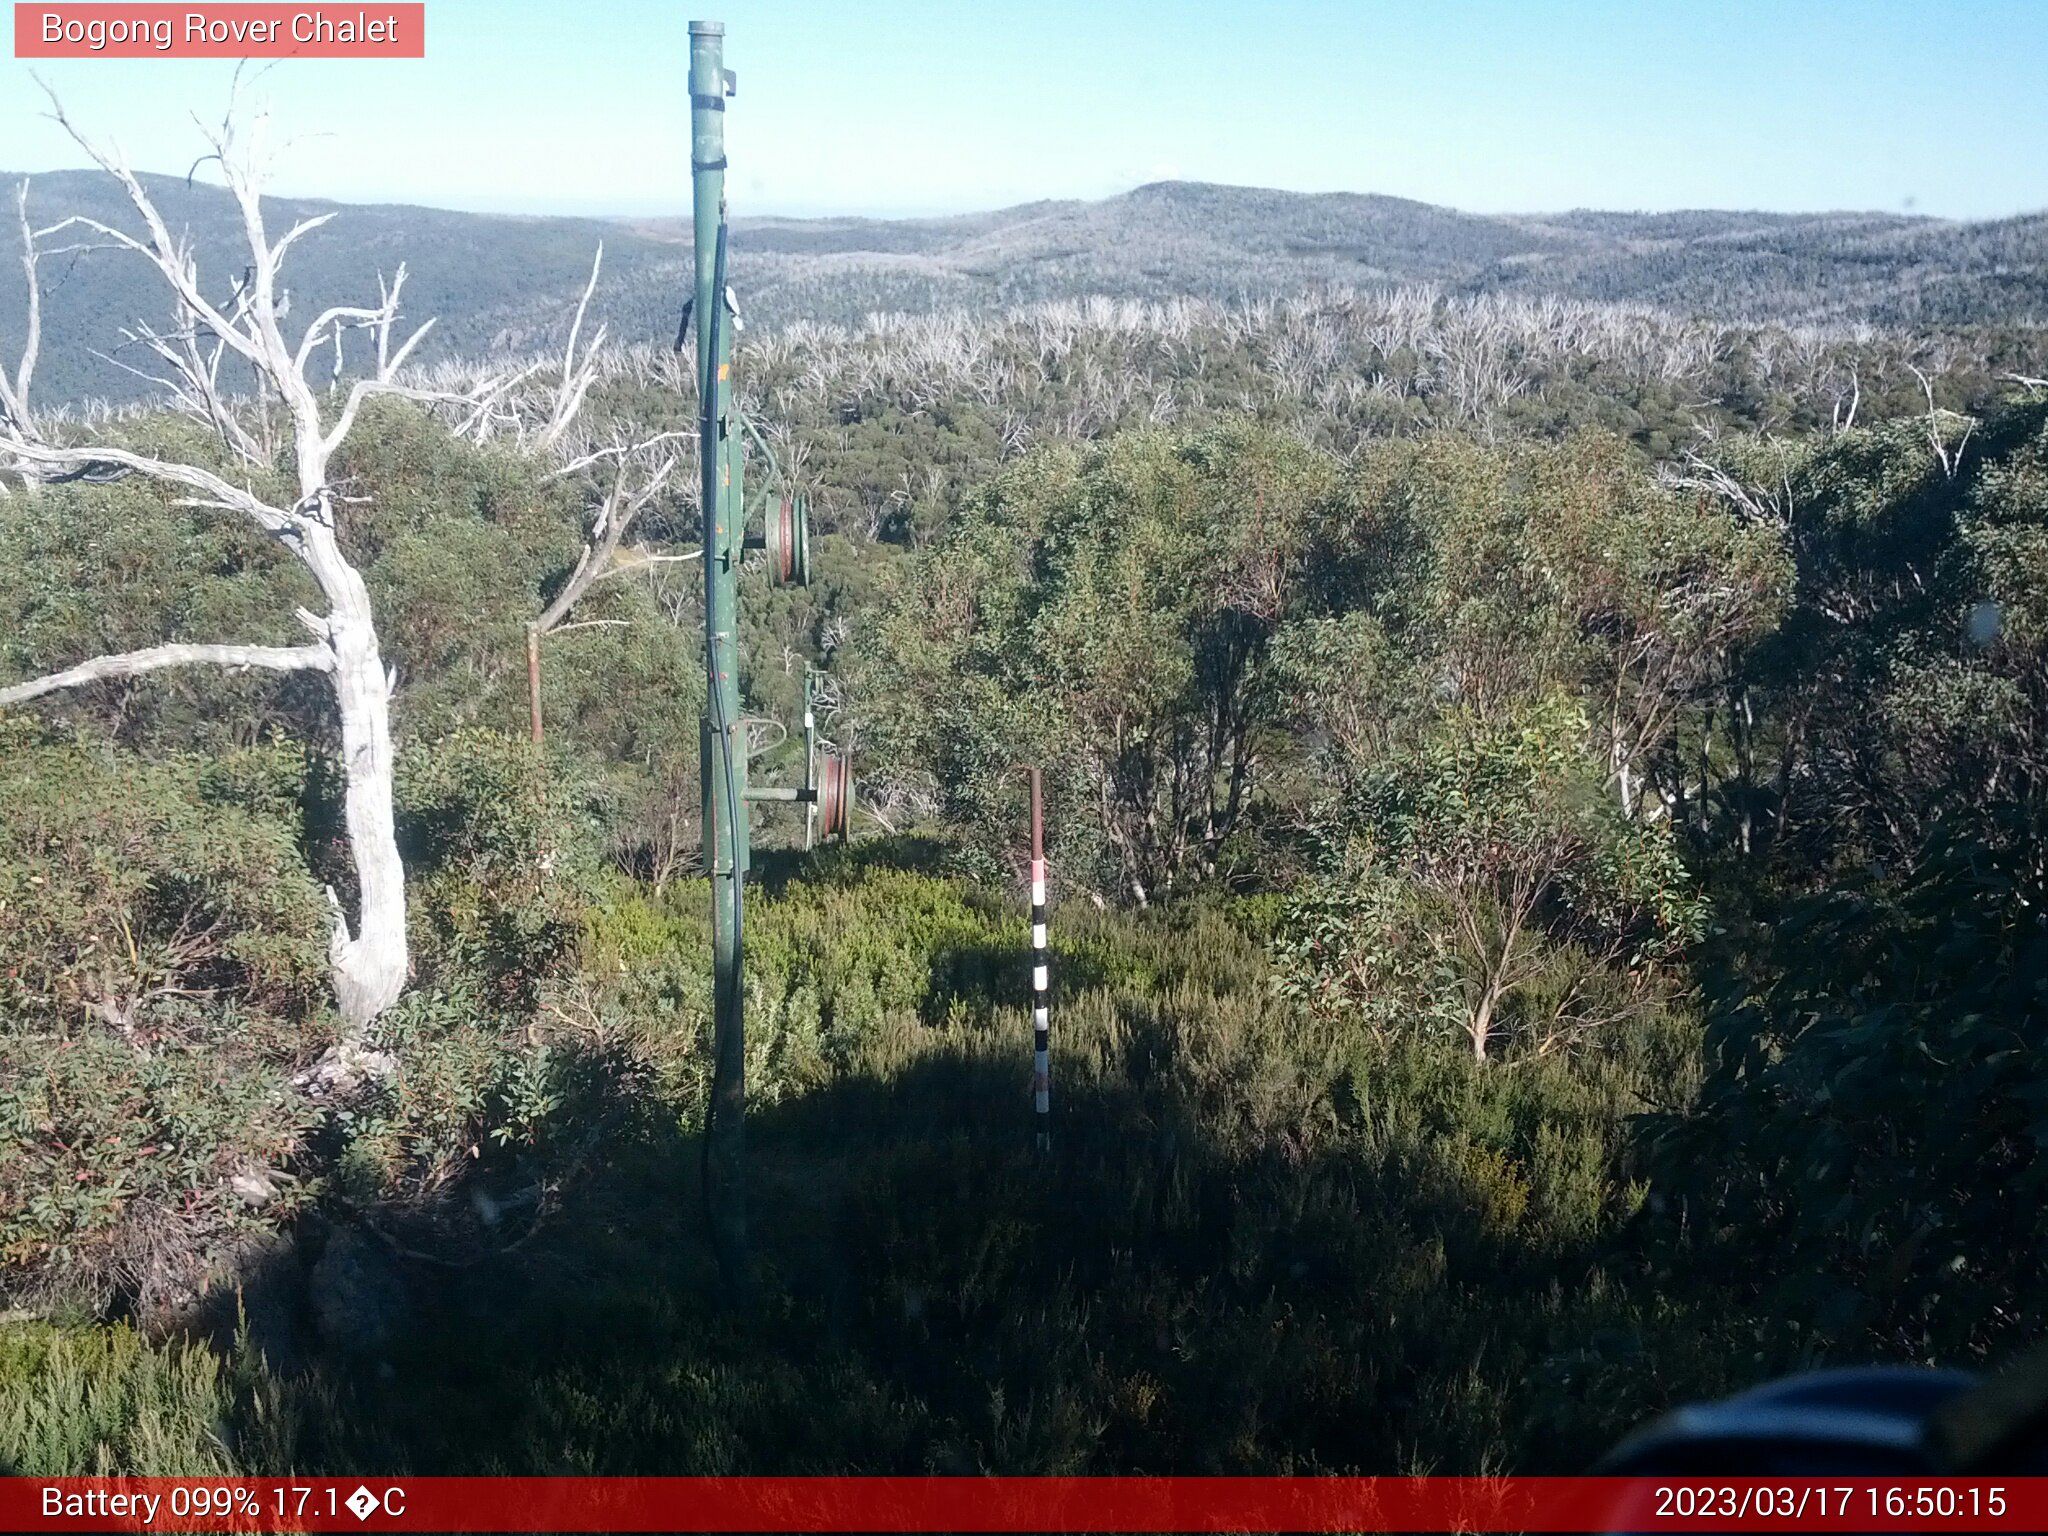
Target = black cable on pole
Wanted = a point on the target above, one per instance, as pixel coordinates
(708, 341)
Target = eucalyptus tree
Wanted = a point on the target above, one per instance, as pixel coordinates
(1106, 615)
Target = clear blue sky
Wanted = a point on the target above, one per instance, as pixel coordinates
(913, 106)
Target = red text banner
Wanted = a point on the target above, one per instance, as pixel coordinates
(117, 31)
(1018, 1504)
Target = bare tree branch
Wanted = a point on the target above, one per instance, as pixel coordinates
(218, 492)
(577, 377)
(614, 518)
(274, 658)
(1762, 502)
(622, 450)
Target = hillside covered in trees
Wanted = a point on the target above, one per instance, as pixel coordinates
(1545, 802)
(500, 283)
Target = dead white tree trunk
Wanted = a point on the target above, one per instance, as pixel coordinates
(1942, 436)
(15, 418)
(369, 960)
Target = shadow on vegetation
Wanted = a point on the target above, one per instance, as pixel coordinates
(1183, 1285)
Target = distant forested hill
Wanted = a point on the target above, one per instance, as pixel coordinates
(493, 281)
(1224, 242)
(505, 282)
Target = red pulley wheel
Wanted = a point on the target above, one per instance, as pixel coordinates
(835, 796)
(781, 541)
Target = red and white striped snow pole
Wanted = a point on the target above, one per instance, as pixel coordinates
(1041, 1018)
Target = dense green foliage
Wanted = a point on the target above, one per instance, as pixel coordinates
(1107, 617)
(1239, 657)
(1879, 1013)
(160, 929)
(1535, 941)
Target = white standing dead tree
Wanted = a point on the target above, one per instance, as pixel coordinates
(369, 960)
(1948, 432)
(15, 418)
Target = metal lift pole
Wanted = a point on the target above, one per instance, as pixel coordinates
(723, 752)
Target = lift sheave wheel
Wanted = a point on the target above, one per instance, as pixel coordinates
(787, 539)
(835, 796)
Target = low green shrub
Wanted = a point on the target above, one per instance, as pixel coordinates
(503, 842)
(161, 975)
(78, 1401)
(124, 879)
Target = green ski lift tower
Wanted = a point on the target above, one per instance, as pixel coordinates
(827, 790)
